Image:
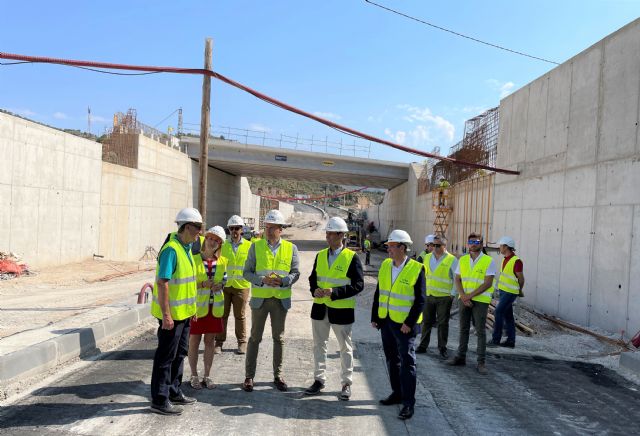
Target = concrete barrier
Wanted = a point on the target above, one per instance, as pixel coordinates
(74, 343)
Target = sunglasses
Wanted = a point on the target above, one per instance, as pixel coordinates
(196, 225)
(472, 242)
(235, 228)
(437, 245)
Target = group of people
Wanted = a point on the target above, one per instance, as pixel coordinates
(196, 289)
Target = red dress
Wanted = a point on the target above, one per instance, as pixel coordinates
(208, 324)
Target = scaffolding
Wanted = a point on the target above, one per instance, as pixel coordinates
(478, 145)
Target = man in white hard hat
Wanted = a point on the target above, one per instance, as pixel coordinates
(272, 268)
(335, 280)
(428, 247)
(397, 313)
(439, 269)
(173, 304)
(236, 291)
(473, 279)
(510, 284)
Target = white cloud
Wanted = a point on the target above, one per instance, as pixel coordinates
(60, 116)
(426, 130)
(328, 115)
(399, 136)
(424, 115)
(259, 128)
(505, 88)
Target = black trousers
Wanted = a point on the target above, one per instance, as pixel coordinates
(168, 361)
(400, 353)
(367, 257)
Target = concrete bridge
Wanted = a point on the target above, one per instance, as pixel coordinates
(247, 160)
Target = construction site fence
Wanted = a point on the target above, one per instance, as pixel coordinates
(313, 144)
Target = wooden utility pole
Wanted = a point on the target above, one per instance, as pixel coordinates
(204, 130)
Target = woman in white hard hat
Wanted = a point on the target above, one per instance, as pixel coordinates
(210, 278)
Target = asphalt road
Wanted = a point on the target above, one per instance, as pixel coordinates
(523, 393)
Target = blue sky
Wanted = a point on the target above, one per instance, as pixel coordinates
(342, 59)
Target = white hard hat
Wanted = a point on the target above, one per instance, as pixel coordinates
(399, 236)
(508, 241)
(429, 239)
(336, 224)
(274, 217)
(235, 220)
(218, 231)
(188, 215)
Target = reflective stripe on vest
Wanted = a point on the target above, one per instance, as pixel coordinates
(334, 277)
(235, 267)
(472, 278)
(205, 296)
(508, 281)
(268, 264)
(182, 285)
(397, 299)
(439, 283)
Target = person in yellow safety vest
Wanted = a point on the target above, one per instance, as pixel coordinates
(443, 185)
(256, 235)
(337, 277)
(428, 248)
(367, 250)
(236, 292)
(510, 284)
(473, 280)
(211, 275)
(173, 304)
(439, 267)
(272, 267)
(397, 313)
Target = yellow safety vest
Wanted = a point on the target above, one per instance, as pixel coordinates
(205, 296)
(267, 264)
(334, 277)
(439, 282)
(508, 281)
(182, 285)
(254, 240)
(367, 244)
(397, 299)
(472, 278)
(236, 264)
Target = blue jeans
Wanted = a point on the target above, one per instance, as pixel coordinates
(400, 353)
(504, 316)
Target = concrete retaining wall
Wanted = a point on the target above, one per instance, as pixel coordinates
(250, 203)
(50, 188)
(287, 210)
(575, 208)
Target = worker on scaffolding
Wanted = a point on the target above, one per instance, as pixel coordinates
(442, 187)
(510, 284)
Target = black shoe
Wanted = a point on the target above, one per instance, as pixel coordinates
(457, 361)
(281, 385)
(391, 400)
(508, 344)
(315, 388)
(421, 350)
(167, 409)
(406, 412)
(444, 353)
(346, 393)
(493, 344)
(182, 399)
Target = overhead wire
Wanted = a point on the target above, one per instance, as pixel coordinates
(435, 26)
(257, 94)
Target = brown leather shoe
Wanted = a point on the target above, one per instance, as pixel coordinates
(281, 385)
(247, 386)
(482, 369)
(457, 361)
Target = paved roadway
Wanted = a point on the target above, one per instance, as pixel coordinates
(523, 394)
